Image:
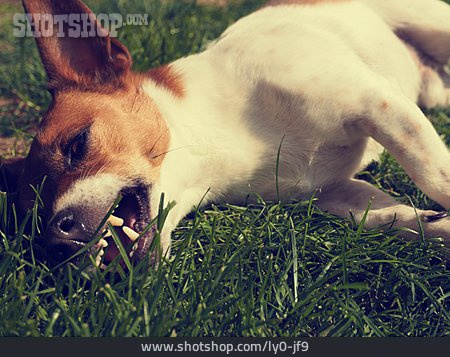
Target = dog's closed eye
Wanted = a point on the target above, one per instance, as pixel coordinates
(76, 150)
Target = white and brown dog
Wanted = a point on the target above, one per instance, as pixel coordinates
(333, 82)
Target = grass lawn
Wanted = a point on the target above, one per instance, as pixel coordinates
(269, 269)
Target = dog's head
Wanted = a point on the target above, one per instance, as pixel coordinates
(101, 137)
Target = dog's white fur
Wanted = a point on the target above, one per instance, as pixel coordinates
(329, 83)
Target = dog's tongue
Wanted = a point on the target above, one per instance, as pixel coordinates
(111, 253)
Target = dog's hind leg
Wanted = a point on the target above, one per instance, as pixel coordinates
(435, 89)
(425, 24)
(352, 197)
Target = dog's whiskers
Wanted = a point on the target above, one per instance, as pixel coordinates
(169, 151)
(158, 139)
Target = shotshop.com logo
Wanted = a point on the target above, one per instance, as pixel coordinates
(74, 25)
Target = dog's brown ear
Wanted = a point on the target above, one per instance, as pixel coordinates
(10, 171)
(70, 54)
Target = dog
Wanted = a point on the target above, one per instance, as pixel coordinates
(292, 100)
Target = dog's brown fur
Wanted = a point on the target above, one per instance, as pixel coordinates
(108, 99)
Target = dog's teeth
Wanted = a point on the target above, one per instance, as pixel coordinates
(103, 243)
(103, 266)
(101, 253)
(134, 247)
(107, 234)
(115, 221)
(131, 254)
(130, 233)
(98, 260)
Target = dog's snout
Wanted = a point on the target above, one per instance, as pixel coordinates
(66, 227)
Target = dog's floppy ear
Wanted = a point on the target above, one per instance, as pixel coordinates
(70, 53)
(10, 171)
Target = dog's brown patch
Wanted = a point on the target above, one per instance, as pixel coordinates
(410, 130)
(93, 90)
(166, 77)
(128, 138)
(69, 59)
(384, 105)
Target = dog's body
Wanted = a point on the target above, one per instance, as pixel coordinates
(291, 99)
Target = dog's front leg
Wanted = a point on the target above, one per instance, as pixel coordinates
(352, 197)
(400, 126)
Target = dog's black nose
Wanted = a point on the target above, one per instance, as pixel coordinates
(65, 227)
(65, 235)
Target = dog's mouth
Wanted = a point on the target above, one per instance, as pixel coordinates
(130, 221)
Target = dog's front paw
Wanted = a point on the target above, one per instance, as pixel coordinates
(437, 230)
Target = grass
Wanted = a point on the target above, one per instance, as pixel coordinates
(269, 269)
